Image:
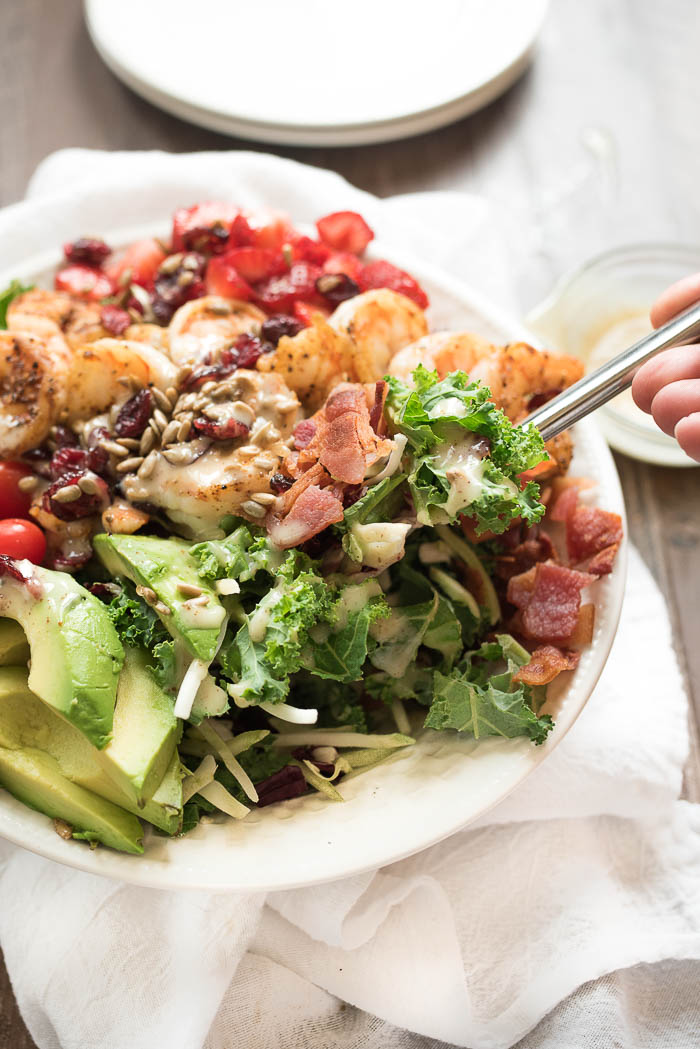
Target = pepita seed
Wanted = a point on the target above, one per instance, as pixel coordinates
(128, 442)
(28, 483)
(68, 494)
(114, 449)
(161, 399)
(253, 509)
(264, 498)
(88, 485)
(128, 465)
(147, 441)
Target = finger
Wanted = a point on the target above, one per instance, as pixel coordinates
(675, 299)
(675, 402)
(681, 363)
(688, 435)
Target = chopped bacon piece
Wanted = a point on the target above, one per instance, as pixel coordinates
(535, 547)
(304, 433)
(583, 631)
(315, 509)
(565, 504)
(344, 441)
(316, 475)
(590, 530)
(376, 415)
(602, 562)
(549, 596)
(546, 663)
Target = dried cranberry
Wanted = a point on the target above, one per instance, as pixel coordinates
(90, 250)
(133, 416)
(9, 567)
(115, 320)
(210, 239)
(274, 328)
(85, 506)
(351, 494)
(288, 783)
(225, 430)
(64, 436)
(68, 461)
(105, 591)
(336, 287)
(247, 349)
(204, 226)
(177, 285)
(280, 483)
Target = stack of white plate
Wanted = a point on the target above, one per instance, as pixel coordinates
(314, 73)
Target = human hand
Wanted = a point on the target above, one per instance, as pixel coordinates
(668, 386)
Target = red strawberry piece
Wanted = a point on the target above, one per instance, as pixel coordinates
(304, 312)
(344, 262)
(382, 274)
(256, 264)
(270, 231)
(241, 235)
(137, 264)
(278, 294)
(90, 250)
(115, 320)
(305, 249)
(223, 279)
(203, 227)
(345, 231)
(84, 282)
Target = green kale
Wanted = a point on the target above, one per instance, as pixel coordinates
(12, 291)
(138, 625)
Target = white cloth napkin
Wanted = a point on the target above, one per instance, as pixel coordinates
(590, 871)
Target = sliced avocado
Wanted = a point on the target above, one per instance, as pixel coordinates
(14, 647)
(145, 729)
(36, 779)
(76, 653)
(26, 722)
(163, 565)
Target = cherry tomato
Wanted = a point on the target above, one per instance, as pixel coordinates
(13, 501)
(20, 539)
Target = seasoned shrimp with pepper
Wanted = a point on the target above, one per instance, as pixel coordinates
(47, 313)
(205, 326)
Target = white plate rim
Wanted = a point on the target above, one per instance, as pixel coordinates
(324, 133)
(33, 831)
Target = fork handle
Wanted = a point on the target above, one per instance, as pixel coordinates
(613, 377)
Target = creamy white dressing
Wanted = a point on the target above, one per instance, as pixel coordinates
(448, 406)
(201, 617)
(259, 619)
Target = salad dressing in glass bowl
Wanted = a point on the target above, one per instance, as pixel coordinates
(602, 308)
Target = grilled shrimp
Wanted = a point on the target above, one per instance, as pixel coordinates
(152, 334)
(207, 325)
(100, 372)
(33, 389)
(515, 373)
(48, 313)
(356, 343)
(198, 482)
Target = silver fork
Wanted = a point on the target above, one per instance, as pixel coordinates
(612, 377)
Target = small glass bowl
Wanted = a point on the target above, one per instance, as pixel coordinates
(601, 308)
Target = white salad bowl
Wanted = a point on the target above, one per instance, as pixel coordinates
(428, 791)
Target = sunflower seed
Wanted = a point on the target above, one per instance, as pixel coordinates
(128, 442)
(68, 494)
(197, 602)
(184, 430)
(154, 427)
(147, 441)
(169, 435)
(189, 589)
(171, 394)
(247, 450)
(28, 483)
(243, 413)
(161, 399)
(208, 387)
(149, 596)
(114, 449)
(264, 498)
(179, 454)
(263, 462)
(184, 278)
(183, 374)
(148, 466)
(253, 509)
(128, 465)
(162, 609)
(160, 419)
(88, 485)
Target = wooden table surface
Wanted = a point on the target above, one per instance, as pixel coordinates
(598, 144)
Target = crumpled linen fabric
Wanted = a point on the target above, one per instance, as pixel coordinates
(568, 916)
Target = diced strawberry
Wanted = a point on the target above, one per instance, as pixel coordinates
(345, 231)
(382, 274)
(270, 230)
(305, 249)
(203, 227)
(241, 235)
(278, 294)
(85, 282)
(304, 311)
(344, 262)
(137, 264)
(256, 264)
(223, 279)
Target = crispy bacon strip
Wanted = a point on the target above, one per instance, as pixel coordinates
(549, 596)
(602, 562)
(313, 510)
(376, 415)
(344, 441)
(547, 662)
(590, 530)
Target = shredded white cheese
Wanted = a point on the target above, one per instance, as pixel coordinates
(221, 799)
(202, 775)
(286, 712)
